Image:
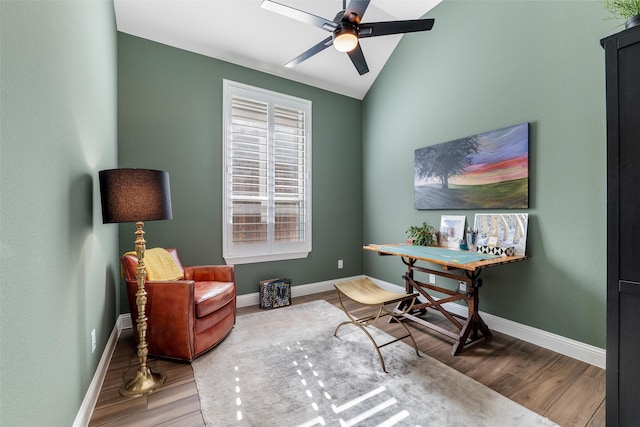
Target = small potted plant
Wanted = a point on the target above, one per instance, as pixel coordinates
(423, 235)
(626, 9)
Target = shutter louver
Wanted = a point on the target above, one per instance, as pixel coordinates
(289, 170)
(249, 171)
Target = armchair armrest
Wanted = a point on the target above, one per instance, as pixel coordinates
(209, 273)
(170, 316)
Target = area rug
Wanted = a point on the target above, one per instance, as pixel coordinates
(284, 367)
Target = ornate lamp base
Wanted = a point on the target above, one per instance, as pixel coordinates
(143, 383)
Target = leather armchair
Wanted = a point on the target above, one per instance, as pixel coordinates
(186, 317)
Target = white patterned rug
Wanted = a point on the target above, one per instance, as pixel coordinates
(284, 367)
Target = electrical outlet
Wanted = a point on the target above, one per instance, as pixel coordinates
(432, 279)
(93, 341)
(462, 286)
(340, 263)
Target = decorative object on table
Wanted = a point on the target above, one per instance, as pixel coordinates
(275, 293)
(488, 170)
(629, 10)
(496, 250)
(502, 234)
(136, 195)
(423, 235)
(451, 230)
(471, 239)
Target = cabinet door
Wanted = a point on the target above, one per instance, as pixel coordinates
(629, 353)
(629, 159)
(622, 53)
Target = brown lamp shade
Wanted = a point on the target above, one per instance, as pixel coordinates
(131, 195)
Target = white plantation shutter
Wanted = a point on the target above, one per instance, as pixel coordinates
(267, 152)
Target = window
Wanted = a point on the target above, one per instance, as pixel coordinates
(267, 178)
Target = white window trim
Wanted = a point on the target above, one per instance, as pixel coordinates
(245, 254)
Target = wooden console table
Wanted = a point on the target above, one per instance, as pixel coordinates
(462, 266)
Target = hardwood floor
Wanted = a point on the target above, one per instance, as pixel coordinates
(569, 392)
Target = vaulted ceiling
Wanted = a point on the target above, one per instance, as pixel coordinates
(243, 33)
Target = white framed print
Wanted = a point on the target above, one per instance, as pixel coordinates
(451, 230)
(504, 230)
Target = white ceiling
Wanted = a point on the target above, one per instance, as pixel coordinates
(241, 32)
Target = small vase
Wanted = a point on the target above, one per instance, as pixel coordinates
(632, 22)
(472, 241)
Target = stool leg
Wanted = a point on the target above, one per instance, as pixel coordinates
(355, 322)
(363, 329)
(409, 334)
(407, 308)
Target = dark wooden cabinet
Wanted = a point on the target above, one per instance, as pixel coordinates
(622, 58)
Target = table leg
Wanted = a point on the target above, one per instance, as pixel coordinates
(473, 328)
(474, 324)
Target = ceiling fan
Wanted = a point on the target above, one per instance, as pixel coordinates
(346, 29)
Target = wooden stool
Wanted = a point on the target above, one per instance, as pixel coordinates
(365, 292)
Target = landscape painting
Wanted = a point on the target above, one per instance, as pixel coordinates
(484, 171)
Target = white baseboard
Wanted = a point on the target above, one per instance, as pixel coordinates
(296, 291)
(91, 396)
(568, 347)
(587, 353)
(125, 321)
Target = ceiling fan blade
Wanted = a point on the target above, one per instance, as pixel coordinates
(357, 57)
(353, 13)
(299, 15)
(373, 29)
(310, 52)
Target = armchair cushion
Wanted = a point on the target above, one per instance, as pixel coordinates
(212, 296)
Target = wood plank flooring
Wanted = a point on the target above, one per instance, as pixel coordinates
(569, 392)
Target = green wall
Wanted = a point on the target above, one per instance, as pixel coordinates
(487, 65)
(58, 262)
(170, 118)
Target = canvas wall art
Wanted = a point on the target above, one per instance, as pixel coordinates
(484, 171)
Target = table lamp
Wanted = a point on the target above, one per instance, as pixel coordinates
(136, 195)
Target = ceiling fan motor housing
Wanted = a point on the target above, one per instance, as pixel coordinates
(345, 37)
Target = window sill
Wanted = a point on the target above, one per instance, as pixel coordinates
(251, 259)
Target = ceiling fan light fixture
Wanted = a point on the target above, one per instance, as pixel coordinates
(345, 38)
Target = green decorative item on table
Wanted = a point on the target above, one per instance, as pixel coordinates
(423, 235)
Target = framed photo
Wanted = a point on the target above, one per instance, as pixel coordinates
(451, 230)
(503, 230)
